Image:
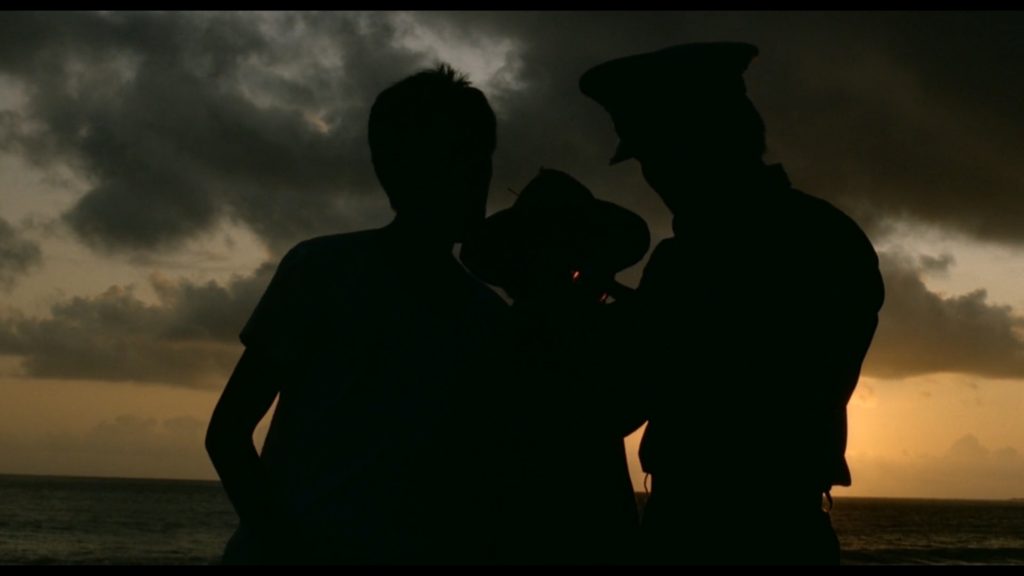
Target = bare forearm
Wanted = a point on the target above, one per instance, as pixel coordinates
(229, 440)
(243, 477)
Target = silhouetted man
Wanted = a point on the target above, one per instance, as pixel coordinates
(373, 344)
(760, 311)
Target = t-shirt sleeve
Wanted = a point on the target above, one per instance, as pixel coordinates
(272, 327)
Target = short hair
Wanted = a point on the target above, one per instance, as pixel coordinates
(420, 124)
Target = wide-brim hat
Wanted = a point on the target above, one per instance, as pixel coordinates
(555, 219)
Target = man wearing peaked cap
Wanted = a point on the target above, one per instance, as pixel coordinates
(752, 321)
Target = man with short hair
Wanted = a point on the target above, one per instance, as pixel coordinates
(374, 343)
(756, 315)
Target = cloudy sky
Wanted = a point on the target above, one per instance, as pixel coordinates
(155, 166)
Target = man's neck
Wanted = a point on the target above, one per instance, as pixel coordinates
(704, 200)
(730, 179)
(420, 237)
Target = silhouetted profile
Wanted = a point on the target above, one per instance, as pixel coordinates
(568, 497)
(373, 342)
(762, 308)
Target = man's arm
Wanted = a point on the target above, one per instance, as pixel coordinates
(229, 440)
(860, 299)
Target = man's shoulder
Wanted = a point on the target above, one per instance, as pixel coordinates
(334, 244)
(810, 205)
(830, 225)
(328, 252)
(841, 245)
(305, 281)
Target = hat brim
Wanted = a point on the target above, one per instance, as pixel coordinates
(605, 237)
(490, 254)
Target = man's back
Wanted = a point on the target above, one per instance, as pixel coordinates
(761, 318)
(385, 345)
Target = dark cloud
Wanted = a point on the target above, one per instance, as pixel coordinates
(906, 116)
(188, 338)
(210, 311)
(17, 255)
(921, 332)
(181, 119)
(888, 115)
(936, 264)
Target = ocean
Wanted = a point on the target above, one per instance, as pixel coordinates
(63, 520)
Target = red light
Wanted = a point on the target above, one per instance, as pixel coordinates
(604, 297)
(575, 275)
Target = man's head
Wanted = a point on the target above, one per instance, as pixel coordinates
(431, 139)
(682, 112)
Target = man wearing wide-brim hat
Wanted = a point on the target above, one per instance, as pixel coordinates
(758, 314)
